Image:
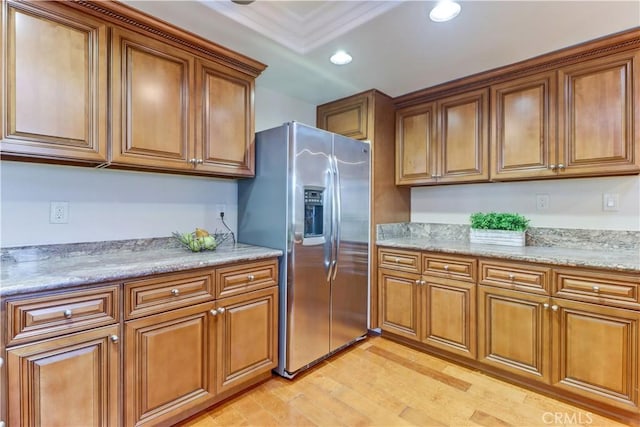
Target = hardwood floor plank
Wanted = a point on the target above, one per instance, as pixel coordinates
(419, 418)
(379, 382)
(487, 420)
(423, 370)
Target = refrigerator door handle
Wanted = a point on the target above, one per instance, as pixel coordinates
(338, 215)
(328, 246)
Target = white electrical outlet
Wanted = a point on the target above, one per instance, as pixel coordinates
(610, 202)
(542, 202)
(59, 213)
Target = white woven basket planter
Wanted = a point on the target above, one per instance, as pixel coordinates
(497, 237)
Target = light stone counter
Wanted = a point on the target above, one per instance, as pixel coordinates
(60, 266)
(613, 259)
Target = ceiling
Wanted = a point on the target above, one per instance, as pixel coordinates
(395, 47)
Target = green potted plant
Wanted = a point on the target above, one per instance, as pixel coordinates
(498, 228)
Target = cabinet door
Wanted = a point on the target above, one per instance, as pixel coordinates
(463, 137)
(151, 103)
(348, 117)
(56, 83)
(599, 129)
(68, 381)
(523, 117)
(513, 332)
(415, 145)
(247, 336)
(449, 315)
(224, 124)
(595, 350)
(168, 364)
(399, 303)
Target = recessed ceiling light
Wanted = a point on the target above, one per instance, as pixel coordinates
(340, 58)
(445, 10)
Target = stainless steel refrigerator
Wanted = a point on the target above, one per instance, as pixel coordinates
(310, 198)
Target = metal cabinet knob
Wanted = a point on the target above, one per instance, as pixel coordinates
(552, 167)
(397, 260)
(511, 276)
(213, 312)
(175, 292)
(596, 289)
(68, 313)
(251, 277)
(114, 338)
(560, 166)
(446, 268)
(422, 282)
(193, 161)
(418, 281)
(200, 161)
(221, 310)
(554, 307)
(545, 306)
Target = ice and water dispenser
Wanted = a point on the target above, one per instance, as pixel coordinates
(313, 212)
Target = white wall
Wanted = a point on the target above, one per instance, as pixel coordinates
(114, 205)
(573, 203)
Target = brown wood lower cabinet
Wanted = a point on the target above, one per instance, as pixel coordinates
(513, 332)
(595, 352)
(568, 331)
(67, 381)
(169, 364)
(433, 308)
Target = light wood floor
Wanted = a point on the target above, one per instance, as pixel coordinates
(382, 383)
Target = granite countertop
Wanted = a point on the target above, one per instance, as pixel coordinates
(25, 271)
(626, 260)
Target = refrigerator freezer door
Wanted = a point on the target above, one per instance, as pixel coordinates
(349, 295)
(308, 287)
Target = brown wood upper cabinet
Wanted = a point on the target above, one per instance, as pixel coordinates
(444, 140)
(348, 117)
(590, 133)
(172, 110)
(178, 103)
(55, 91)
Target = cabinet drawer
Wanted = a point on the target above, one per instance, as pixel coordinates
(524, 277)
(166, 292)
(399, 260)
(50, 315)
(600, 287)
(246, 277)
(460, 268)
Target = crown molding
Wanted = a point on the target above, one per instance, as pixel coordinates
(304, 31)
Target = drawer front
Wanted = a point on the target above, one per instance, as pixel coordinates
(399, 260)
(524, 277)
(452, 267)
(246, 277)
(605, 288)
(51, 315)
(167, 292)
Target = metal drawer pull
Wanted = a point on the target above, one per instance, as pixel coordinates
(114, 338)
(596, 289)
(175, 292)
(554, 307)
(251, 277)
(68, 313)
